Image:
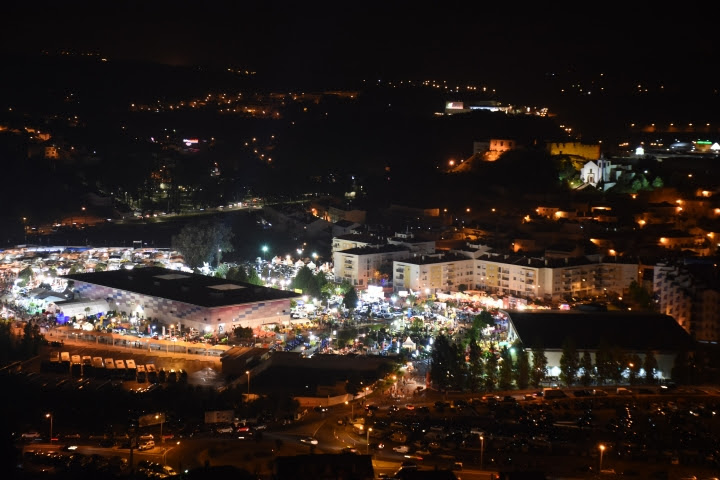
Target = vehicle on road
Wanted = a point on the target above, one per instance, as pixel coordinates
(309, 440)
(149, 445)
(401, 449)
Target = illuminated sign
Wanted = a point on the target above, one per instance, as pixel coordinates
(455, 105)
(190, 141)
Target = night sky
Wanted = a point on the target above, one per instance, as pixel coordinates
(446, 40)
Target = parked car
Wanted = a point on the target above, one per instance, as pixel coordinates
(149, 445)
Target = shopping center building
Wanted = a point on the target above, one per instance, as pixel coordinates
(185, 300)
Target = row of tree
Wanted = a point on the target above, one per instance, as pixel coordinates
(15, 346)
(459, 367)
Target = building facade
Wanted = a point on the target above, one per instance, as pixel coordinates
(516, 275)
(433, 272)
(359, 265)
(185, 300)
(691, 296)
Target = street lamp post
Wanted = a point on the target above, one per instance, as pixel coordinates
(602, 449)
(50, 416)
(352, 410)
(161, 417)
(367, 441)
(482, 451)
(248, 380)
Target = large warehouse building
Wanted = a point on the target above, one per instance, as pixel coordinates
(185, 300)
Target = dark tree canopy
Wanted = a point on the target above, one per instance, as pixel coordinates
(203, 241)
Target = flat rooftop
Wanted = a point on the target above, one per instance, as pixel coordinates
(184, 287)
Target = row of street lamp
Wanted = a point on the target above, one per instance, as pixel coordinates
(352, 419)
(160, 417)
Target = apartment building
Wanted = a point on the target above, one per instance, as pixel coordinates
(516, 275)
(361, 265)
(357, 257)
(355, 240)
(691, 295)
(433, 272)
(414, 245)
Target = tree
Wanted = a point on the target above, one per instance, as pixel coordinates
(446, 363)
(483, 319)
(587, 369)
(243, 332)
(252, 276)
(491, 369)
(203, 241)
(222, 270)
(237, 274)
(475, 366)
(682, 370)
(618, 363)
(569, 363)
(603, 362)
(25, 275)
(31, 340)
(634, 366)
(506, 369)
(346, 336)
(383, 273)
(350, 300)
(640, 296)
(650, 365)
(658, 183)
(522, 378)
(539, 367)
(305, 281)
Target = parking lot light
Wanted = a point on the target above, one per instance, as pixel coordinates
(50, 416)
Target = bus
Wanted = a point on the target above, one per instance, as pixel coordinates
(65, 357)
(131, 372)
(141, 373)
(76, 366)
(109, 367)
(120, 368)
(152, 374)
